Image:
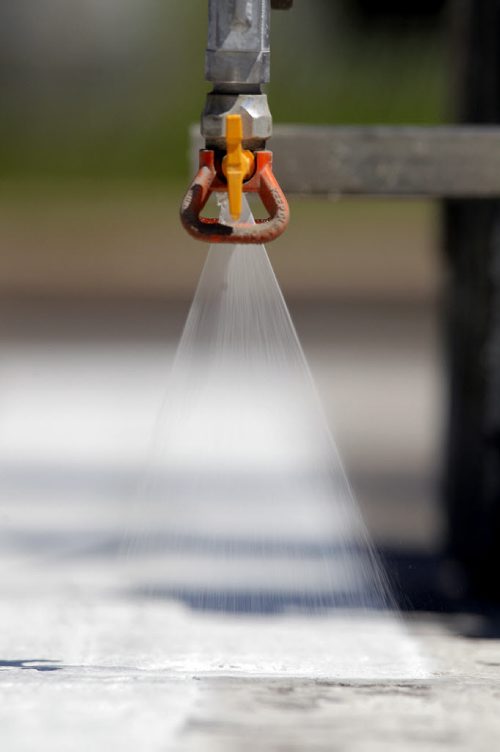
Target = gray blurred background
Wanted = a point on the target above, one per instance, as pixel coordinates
(96, 275)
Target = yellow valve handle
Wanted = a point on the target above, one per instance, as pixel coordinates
(237, 165)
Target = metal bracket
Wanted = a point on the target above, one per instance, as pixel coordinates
(427, 161)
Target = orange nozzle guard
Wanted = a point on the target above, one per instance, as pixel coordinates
(238, 172)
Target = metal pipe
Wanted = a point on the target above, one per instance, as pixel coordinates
(238, 62)
(238, 57)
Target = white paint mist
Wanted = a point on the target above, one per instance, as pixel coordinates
(246, 520)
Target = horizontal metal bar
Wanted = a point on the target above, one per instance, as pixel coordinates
(430, 161)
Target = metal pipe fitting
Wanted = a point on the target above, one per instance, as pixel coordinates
(255, 115)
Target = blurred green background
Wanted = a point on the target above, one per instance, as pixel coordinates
(97, 99)
(107, 88)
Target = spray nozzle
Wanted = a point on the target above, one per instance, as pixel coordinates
(239, 171)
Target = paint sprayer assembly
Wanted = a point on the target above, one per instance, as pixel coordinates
(236, 124)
